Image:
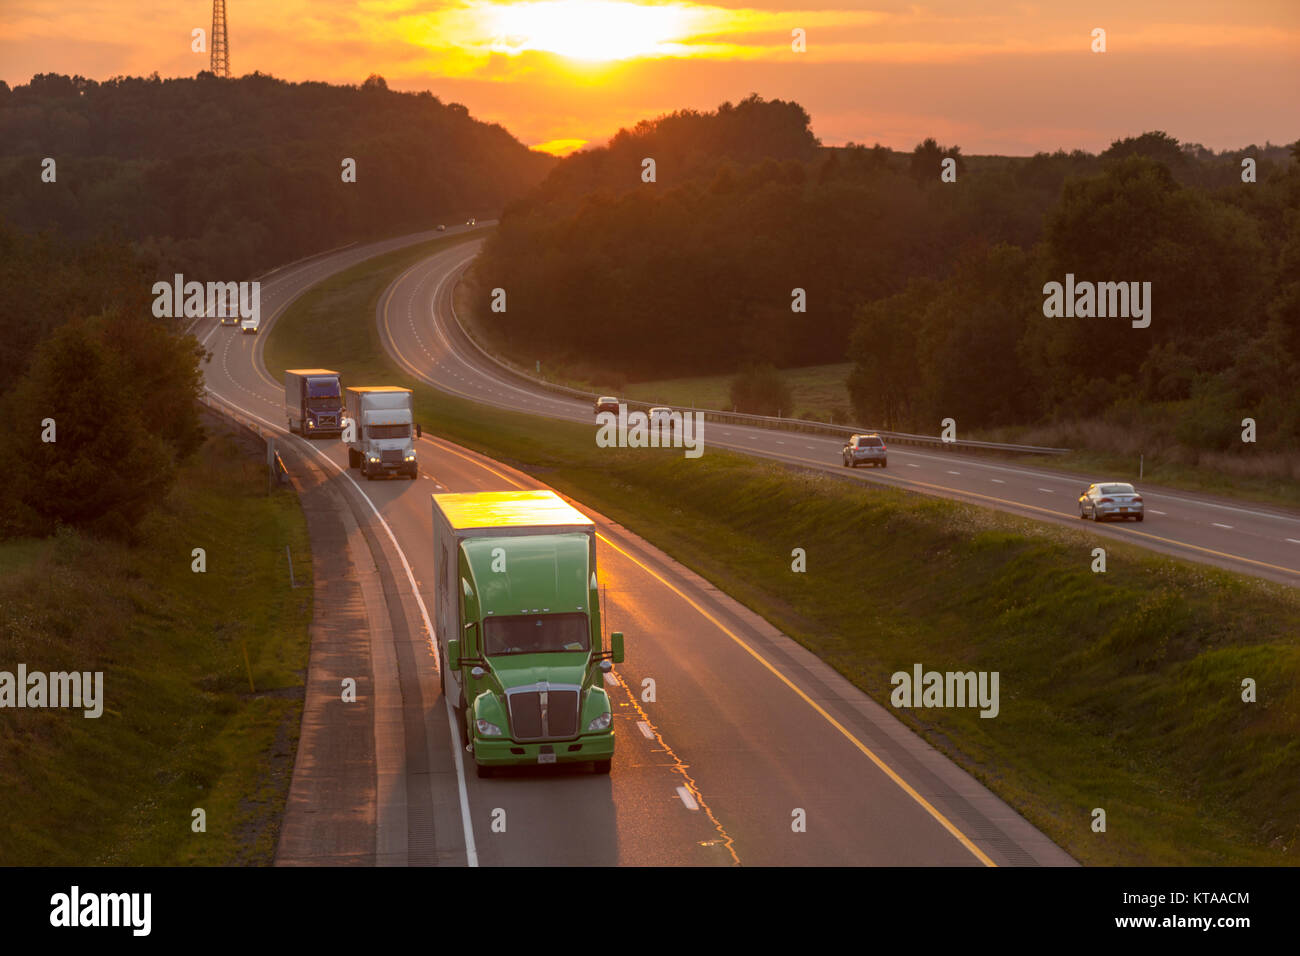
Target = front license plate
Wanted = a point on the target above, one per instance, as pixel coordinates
(546, 758)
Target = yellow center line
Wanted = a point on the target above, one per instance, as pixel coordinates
(884, 767)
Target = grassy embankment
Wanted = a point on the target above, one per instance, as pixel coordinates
(1120, 690)
(180, 728)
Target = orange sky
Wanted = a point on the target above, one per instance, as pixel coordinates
(992, 76)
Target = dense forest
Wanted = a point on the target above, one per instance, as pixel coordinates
(934, 289)
(225, 178)
(216, 179)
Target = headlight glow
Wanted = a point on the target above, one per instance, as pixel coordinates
(600, 723)
(487, 728)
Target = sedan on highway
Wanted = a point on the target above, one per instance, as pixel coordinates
(866, 449)
(661, 418)
(442, 228)
(607, 403)
(1111, 499)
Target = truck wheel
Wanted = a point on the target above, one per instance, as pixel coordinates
(602, 766)
(460, 720)
(483, 770)
(291, 431)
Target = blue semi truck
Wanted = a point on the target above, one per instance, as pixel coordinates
(313, 401)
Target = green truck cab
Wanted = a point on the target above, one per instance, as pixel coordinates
(519, 629)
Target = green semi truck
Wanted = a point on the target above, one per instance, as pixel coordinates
(518, 629)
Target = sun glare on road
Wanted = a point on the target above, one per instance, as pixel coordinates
(588, 29)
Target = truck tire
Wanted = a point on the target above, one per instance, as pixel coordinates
(352, 458)
(460, 721)
(602, 766)
(483, 770)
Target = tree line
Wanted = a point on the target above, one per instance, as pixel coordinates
(215, 179)
(933, 289)
(229, 177)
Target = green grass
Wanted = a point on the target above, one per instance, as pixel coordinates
(819, 392)
(1118, 690)
(180, 729)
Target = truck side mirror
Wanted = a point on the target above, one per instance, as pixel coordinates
(419, 432)
(616, 646)
(453, 654)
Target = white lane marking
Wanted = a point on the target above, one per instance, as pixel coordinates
(687, 798)
(1048, 490)
(645, 730)
(1217, 525)
(997, 481)
(954, 472)
(1294, 540)
(912, 464)
(1154, 512)
(471, 851)
(611, 680)
(810, 447)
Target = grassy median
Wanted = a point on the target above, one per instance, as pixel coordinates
(181, 729)
(1119, 690)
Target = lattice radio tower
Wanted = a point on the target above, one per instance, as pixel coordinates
(220, 45)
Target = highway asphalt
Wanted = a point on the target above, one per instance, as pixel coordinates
(750, 750)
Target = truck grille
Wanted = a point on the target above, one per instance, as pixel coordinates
(547, 714)
(323, 421)
(391, 456)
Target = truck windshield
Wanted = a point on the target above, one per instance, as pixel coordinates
(323, 401)
(535, 634)
(388, 431)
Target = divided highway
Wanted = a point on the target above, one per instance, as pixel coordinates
(746, 735)
(420, 332)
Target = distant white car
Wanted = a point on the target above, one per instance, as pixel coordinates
(250, 325)
(471, 222)
(661, 418)
(1110, 499)
(442, 228)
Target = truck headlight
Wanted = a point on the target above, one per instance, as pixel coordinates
(374, 458)
(488, 729)
(600, 723)
(410, 458)
(311, 424)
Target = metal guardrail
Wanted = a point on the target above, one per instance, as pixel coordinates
(277, 471)
(759, 421)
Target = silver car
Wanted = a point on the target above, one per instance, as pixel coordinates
(866, 449)
(1110, 499)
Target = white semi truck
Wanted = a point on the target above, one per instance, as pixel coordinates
(383, 439)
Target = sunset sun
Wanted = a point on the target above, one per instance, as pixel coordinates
(587, 29)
